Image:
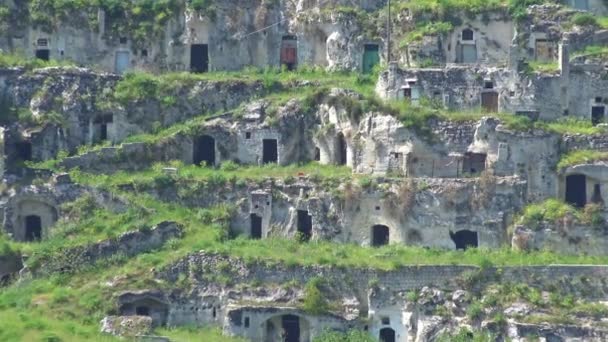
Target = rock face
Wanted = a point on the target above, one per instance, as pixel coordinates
(129, 326)
(407, 300)
(223, 35)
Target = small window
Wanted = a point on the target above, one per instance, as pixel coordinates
(598, 100)
(377, 207)
(246, 322)
(386, 321)
(61, 52)
(42, 42)
(247, 135)
(144, 53)
(123, 40)
(267, 203)
(488, 85)
(467, 34)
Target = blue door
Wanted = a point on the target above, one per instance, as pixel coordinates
(122, 62)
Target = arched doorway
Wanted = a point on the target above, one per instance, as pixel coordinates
(33, 228)
(340, 149)
(464, 239)
(204, 151)
(387, 335)
(576, 190)
(380, 235)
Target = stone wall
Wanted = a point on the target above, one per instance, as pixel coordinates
(126, 245)
(403, 278)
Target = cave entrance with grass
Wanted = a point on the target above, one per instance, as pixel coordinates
(380, 235)
(576, 190)
(150, 307)
(465, 239)
(270, 153)
(598, 115)
(204, 151)
(199, 58)
(341, 149)
(289, 52)
(387, 335)
(43, 54)
(256, 226)
(291, 328)
(304, 225)
(33, 228)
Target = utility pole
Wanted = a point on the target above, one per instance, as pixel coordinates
(388, 30)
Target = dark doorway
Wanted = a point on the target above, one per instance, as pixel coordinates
(24, 150)
(204, 151)
(387, 335)
(576, 190)
(291, 328)
(597, 115)
(101, 123)
(271, 151)
(256, 226)
(199, 58)
(142, 311)
(380, 235)
(371, 57)
(33, 228)
(341, 149)
(44, 54)
(407, 93)
(597, 195)
(317, 154)
(474, 163)
(489, 101)
(465, 239)
(289, 52)
(304, 225)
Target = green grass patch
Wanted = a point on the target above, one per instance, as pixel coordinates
(581, 157)
(17, 60)
(189, 334)
(552, 211)
(549, 67)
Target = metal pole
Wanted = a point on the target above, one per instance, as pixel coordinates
(388, 28)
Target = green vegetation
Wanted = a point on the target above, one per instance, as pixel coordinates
(543, 67)
(592, 51)
(552, 211)
(16, 60)
(315, 302)
(584, 19)
(189, 334)
(350, 336)
(581, 157)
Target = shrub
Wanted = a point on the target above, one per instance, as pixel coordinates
(475, 311)
(584, 19)
(314, 301)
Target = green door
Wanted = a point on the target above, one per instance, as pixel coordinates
(371, 57)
